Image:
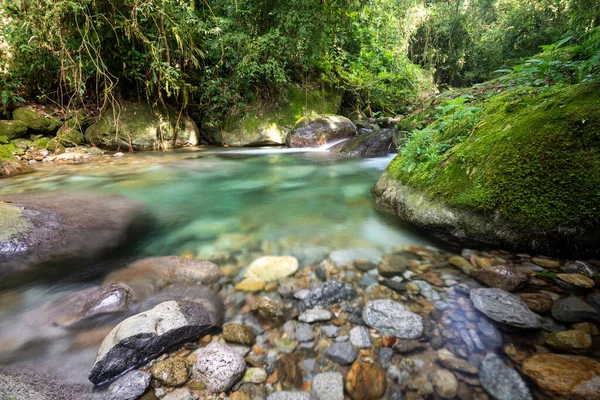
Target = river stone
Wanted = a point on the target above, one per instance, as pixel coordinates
(289, 372)
(240, 334)
(580, 267)
(149, 275)
(251, 285)
(61, 229)
(147, 335)
(304, 332)
(577, 280)
(461, 263)
(268, 310)
(291, 396)
(349, 256)
(500, 276)
(317, 130)
(573, 309)
(450, 361)
(342, 353)
(255, 375)
(445, 384)
(181, 393)
(392, 265)
(173, 371)
(328, 386)
(368, 144)
(539, 303)
(366, 381)
(573, 341)
(271, 268)
(593, 300)
(391, 318)
(327, 293)
(504, 307)
(564, 376)
(218, 366)
(315, 315)
(130, 386)
(502, 382)
(360, 337)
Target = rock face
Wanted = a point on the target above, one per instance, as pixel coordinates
(502, 382)
(565, 377)
(62, 227)
(219, 367)
(391, 318)
(139, 127)
(504, 307)
(315, 131)
(370, 144)
(12, 129)
(146, 335)
(271, 268)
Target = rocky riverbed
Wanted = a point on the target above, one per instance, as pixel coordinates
(414, 323)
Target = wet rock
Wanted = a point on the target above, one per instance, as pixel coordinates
(368, 144)
(392, 265)
(500, 276)
(502, 382)
(360, 337)
(565, 377)
(324, 294)
(366, 381)
(462, 264)
(240, 334)
(573, 341)
(580, 267)
(171, 372)
(219, 367)
(286, 345)
(146, 335)
(255, 375)
(289, 372)
(271, 268)
(328, 386)
(539, 303)
(504, 307)
(450, 361)
(47, 233)
(130, 386)
(315, 315)
(391, 318)
(572, 309)
(577, 280)
(149, 275)
(304, 332)
(445, 384)
(546, 262)
(317, 130)
(405, 346)
(268, 310)
(342, 353)
(251, 285)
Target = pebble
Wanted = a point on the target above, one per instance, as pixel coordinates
(546, 262)
(342, 353)
(180, 394)
(450, 361)
(130, 386)
(577, 280)
(330, 331)
(171, 372)
(539, 303)
(272, 268)
(324, 294)
(254, 375)
(580, 267)
(289, 372)
(366, 381)
(573, 341)
(445, 384)
(240, 334)
(391, 318)
(328, 386)
(268, 310)
(572, 309)
(315, 315)
(360, 337)
(251, 285)
(502, 382)
(304, 332)
(218, 366)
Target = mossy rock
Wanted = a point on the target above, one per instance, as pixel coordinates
(527, 177)
(139, 126)
(12, 129)
(317, 130)
(70, 134)
(37, 120)
(258, 124)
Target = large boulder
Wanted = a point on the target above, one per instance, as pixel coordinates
(58, 228)
(12, 129)
(139, 126)
(146, 335)
(38, 120)
(317, 130)
(370, 144)
(526, 177)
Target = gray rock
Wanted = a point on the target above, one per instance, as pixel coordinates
(28, 383)
(304, 332)
(500, 381)
(146, 335)
(130, 386)
(317, 130)
(342, 353)
(182, 393)
(391, 318)
(369, 144)
(504, 307)
(330, 330)
(328, 386)
(291, 396)
(218, 366)
(489, 334)
(315, 315)
(360, 337)
(580, 267)
(574, 310)
(349, 256)
(324, 294)
(51, 233)
(593, 300)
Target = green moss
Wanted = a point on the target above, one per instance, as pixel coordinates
(533, 158)
(6, 152)
(36, 120)
(11, 222)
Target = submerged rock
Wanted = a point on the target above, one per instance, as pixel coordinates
(147, 335)
(317, 130)
(572, 341)
(391, 318)
(366, 381)
(328, 386)
(324, 294)
(130, 386)
(271, 268)
(504, 307)
(219, 367)
(342, 353)
(502, 382)
(60, 228)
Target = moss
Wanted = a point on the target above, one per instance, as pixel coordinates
(11, 222)
(37, 120)
(534, 159)
(12, 129)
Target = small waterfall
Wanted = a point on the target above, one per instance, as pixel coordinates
(327, 146)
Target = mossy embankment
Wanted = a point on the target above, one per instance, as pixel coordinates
(522, 169)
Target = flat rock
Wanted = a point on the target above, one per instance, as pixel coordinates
(392, 318)
(501, 276)
(331, 292)
(130, 386)
(59, 229)
(504, 307)
(147, 335)
(565, 377)
(577, 280)
(328, 386)
(572, 341)
(573, 309)
(272, 268)
(342, 353)
(502, 382)
(218, 366)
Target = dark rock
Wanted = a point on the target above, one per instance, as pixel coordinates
(580, 267)
(147, 335)
(593, 300)
(289, 372)
(573, 309)
(315, 131)
(502, 382)
(504, 307)
(324, 294)
(369, 144)
(130, 386)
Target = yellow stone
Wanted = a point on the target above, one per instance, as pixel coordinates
(251, 285)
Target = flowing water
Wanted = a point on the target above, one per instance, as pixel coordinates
(211, 204)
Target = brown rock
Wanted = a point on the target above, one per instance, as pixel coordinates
(240, 396)
(573, 341)
(517, 353)
(500, 276)
(405, 346)
(433, 278)
(289, 372)
(481, 262)
(565, 377)
(546, 262)
(171, 372)
(268, 310)
(461, 264)
(392, 265)
(445, 384)
(537, 302)
(577, 280)
(449, 360)
(240, 334)
(366, 381)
